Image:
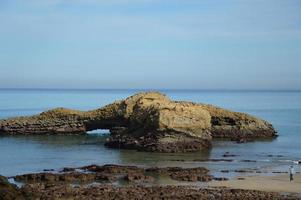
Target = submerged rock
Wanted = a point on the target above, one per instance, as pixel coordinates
(227, 154)
(213, 160)
(148, 122)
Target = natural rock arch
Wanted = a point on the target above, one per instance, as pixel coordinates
(147, 121)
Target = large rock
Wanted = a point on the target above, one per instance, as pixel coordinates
(147, 121)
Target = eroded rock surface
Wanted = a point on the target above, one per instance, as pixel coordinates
(83, 183)
(9, 191)
(147, 121)
(184, 174)
(40, 191)
(110, 173)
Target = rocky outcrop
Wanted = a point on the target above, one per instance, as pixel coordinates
(112, 173)
(124, 182)
(147, 121)
(9, 191)
(183, 174)
(109, 192)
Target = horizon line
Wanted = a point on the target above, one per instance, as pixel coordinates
(162, 89)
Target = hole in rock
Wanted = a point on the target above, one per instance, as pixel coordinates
(99, 132)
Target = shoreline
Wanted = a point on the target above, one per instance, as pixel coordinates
(132, 182)
(276, 183)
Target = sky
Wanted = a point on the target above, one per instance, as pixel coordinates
(151, 44)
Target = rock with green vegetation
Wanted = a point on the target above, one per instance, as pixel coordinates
(148, 122)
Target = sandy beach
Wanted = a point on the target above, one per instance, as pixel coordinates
(279, 183)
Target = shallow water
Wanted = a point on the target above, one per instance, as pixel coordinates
(24, 154)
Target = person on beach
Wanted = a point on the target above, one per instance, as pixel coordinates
(291, 173)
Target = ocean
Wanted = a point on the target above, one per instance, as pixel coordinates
(27, 154)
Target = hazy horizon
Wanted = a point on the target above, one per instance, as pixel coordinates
(163, 89)
(150, 44)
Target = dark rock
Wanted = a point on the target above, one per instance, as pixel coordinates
(220, 179)
(242, 139)
(64, 177)
(183, 174)
(227, 154)
(248, 161)
(213, 160)
(9, 191)
(148, 193)
(48, 186)
(243, 171)
(279, 156)
(68, 169)
(48, 170)
(154, 142)
(113, 169)
(178, 160)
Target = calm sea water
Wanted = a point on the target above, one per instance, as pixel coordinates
(24, 154)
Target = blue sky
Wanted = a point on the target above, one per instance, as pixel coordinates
(191, 44)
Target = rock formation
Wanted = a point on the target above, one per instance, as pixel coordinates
(8, 190)
(126, 182)
(115, 173)
(103, 182)
(142, 192)
(147, 121)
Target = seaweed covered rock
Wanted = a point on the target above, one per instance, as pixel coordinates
(147, 121)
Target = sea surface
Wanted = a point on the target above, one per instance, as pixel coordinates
(26, 154)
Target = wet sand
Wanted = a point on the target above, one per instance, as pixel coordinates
(279, 183)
